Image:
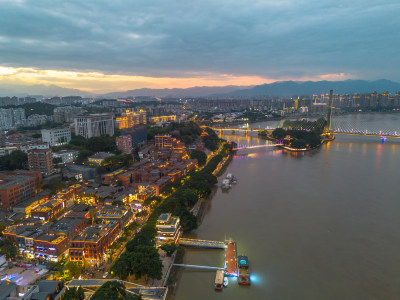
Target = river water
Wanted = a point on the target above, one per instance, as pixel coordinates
(316, 225)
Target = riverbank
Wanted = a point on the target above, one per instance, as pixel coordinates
(176, 273)
(296, 237)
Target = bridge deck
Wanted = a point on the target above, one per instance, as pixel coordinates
(201, 243)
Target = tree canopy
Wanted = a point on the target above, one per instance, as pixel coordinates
(114, 290)
(13, 161)
(200, 156)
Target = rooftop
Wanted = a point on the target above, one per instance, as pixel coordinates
(101, 155)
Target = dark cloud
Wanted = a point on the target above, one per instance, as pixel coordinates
(272, 38)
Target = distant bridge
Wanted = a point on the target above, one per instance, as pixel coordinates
(377, 133)
(241, 147)
(201, 243)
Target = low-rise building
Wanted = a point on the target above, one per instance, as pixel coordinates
(50, 246)
(56, 136)
(50, 210)
(93, 242)
(18, 186)
(67, 156)
(27, 206)
(168, 228)
(99, 158)
(70, 227)
(123, 215)
(81, 172)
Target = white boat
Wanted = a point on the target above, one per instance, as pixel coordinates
(226, 281)
(231, 178)
(226, 184)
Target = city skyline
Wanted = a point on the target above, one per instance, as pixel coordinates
(100, 47)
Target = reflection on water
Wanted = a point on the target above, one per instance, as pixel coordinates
(323, 224)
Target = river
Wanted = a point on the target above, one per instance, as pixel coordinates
(318, 225)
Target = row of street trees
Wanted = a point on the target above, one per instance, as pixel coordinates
(141, 258)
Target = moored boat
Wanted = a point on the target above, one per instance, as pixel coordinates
(226, 281)
(219, 280)
(243, 270)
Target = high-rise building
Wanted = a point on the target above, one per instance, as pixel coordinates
(10, 117)
(124, 144)
(163, 141)
(41, 160)
(94, 125)
(66, 113)
(138, 134)
(57, 136)
(129, 119)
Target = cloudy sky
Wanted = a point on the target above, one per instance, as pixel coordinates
(101, 46)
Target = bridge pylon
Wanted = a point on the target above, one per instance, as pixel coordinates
(328, 132)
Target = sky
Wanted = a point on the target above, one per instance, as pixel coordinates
(101, 46)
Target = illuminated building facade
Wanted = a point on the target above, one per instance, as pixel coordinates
(93, 242)
(129, 119)
(168, 228)
(157, 119)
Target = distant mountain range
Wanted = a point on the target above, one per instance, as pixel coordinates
(297, 88)
(200, 91)
(280, 88)
(20, 90)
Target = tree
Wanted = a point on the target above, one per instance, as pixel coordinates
(117, 203)
(169, 248)
(211, 140)
(2, 227)
(57, 160)
(279, 133)
(145, 261)
(188, 220)
(112, 290)
(15, 160)
(74, 268)
(74, 294)
(8, 249)
(200, 156)
(55, 185)
(148, 201)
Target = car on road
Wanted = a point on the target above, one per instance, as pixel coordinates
(105, 275)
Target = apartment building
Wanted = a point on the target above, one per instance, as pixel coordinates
(42, 160)
(124, 144)
(94, 125)
(129, 119)
(56, 136)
